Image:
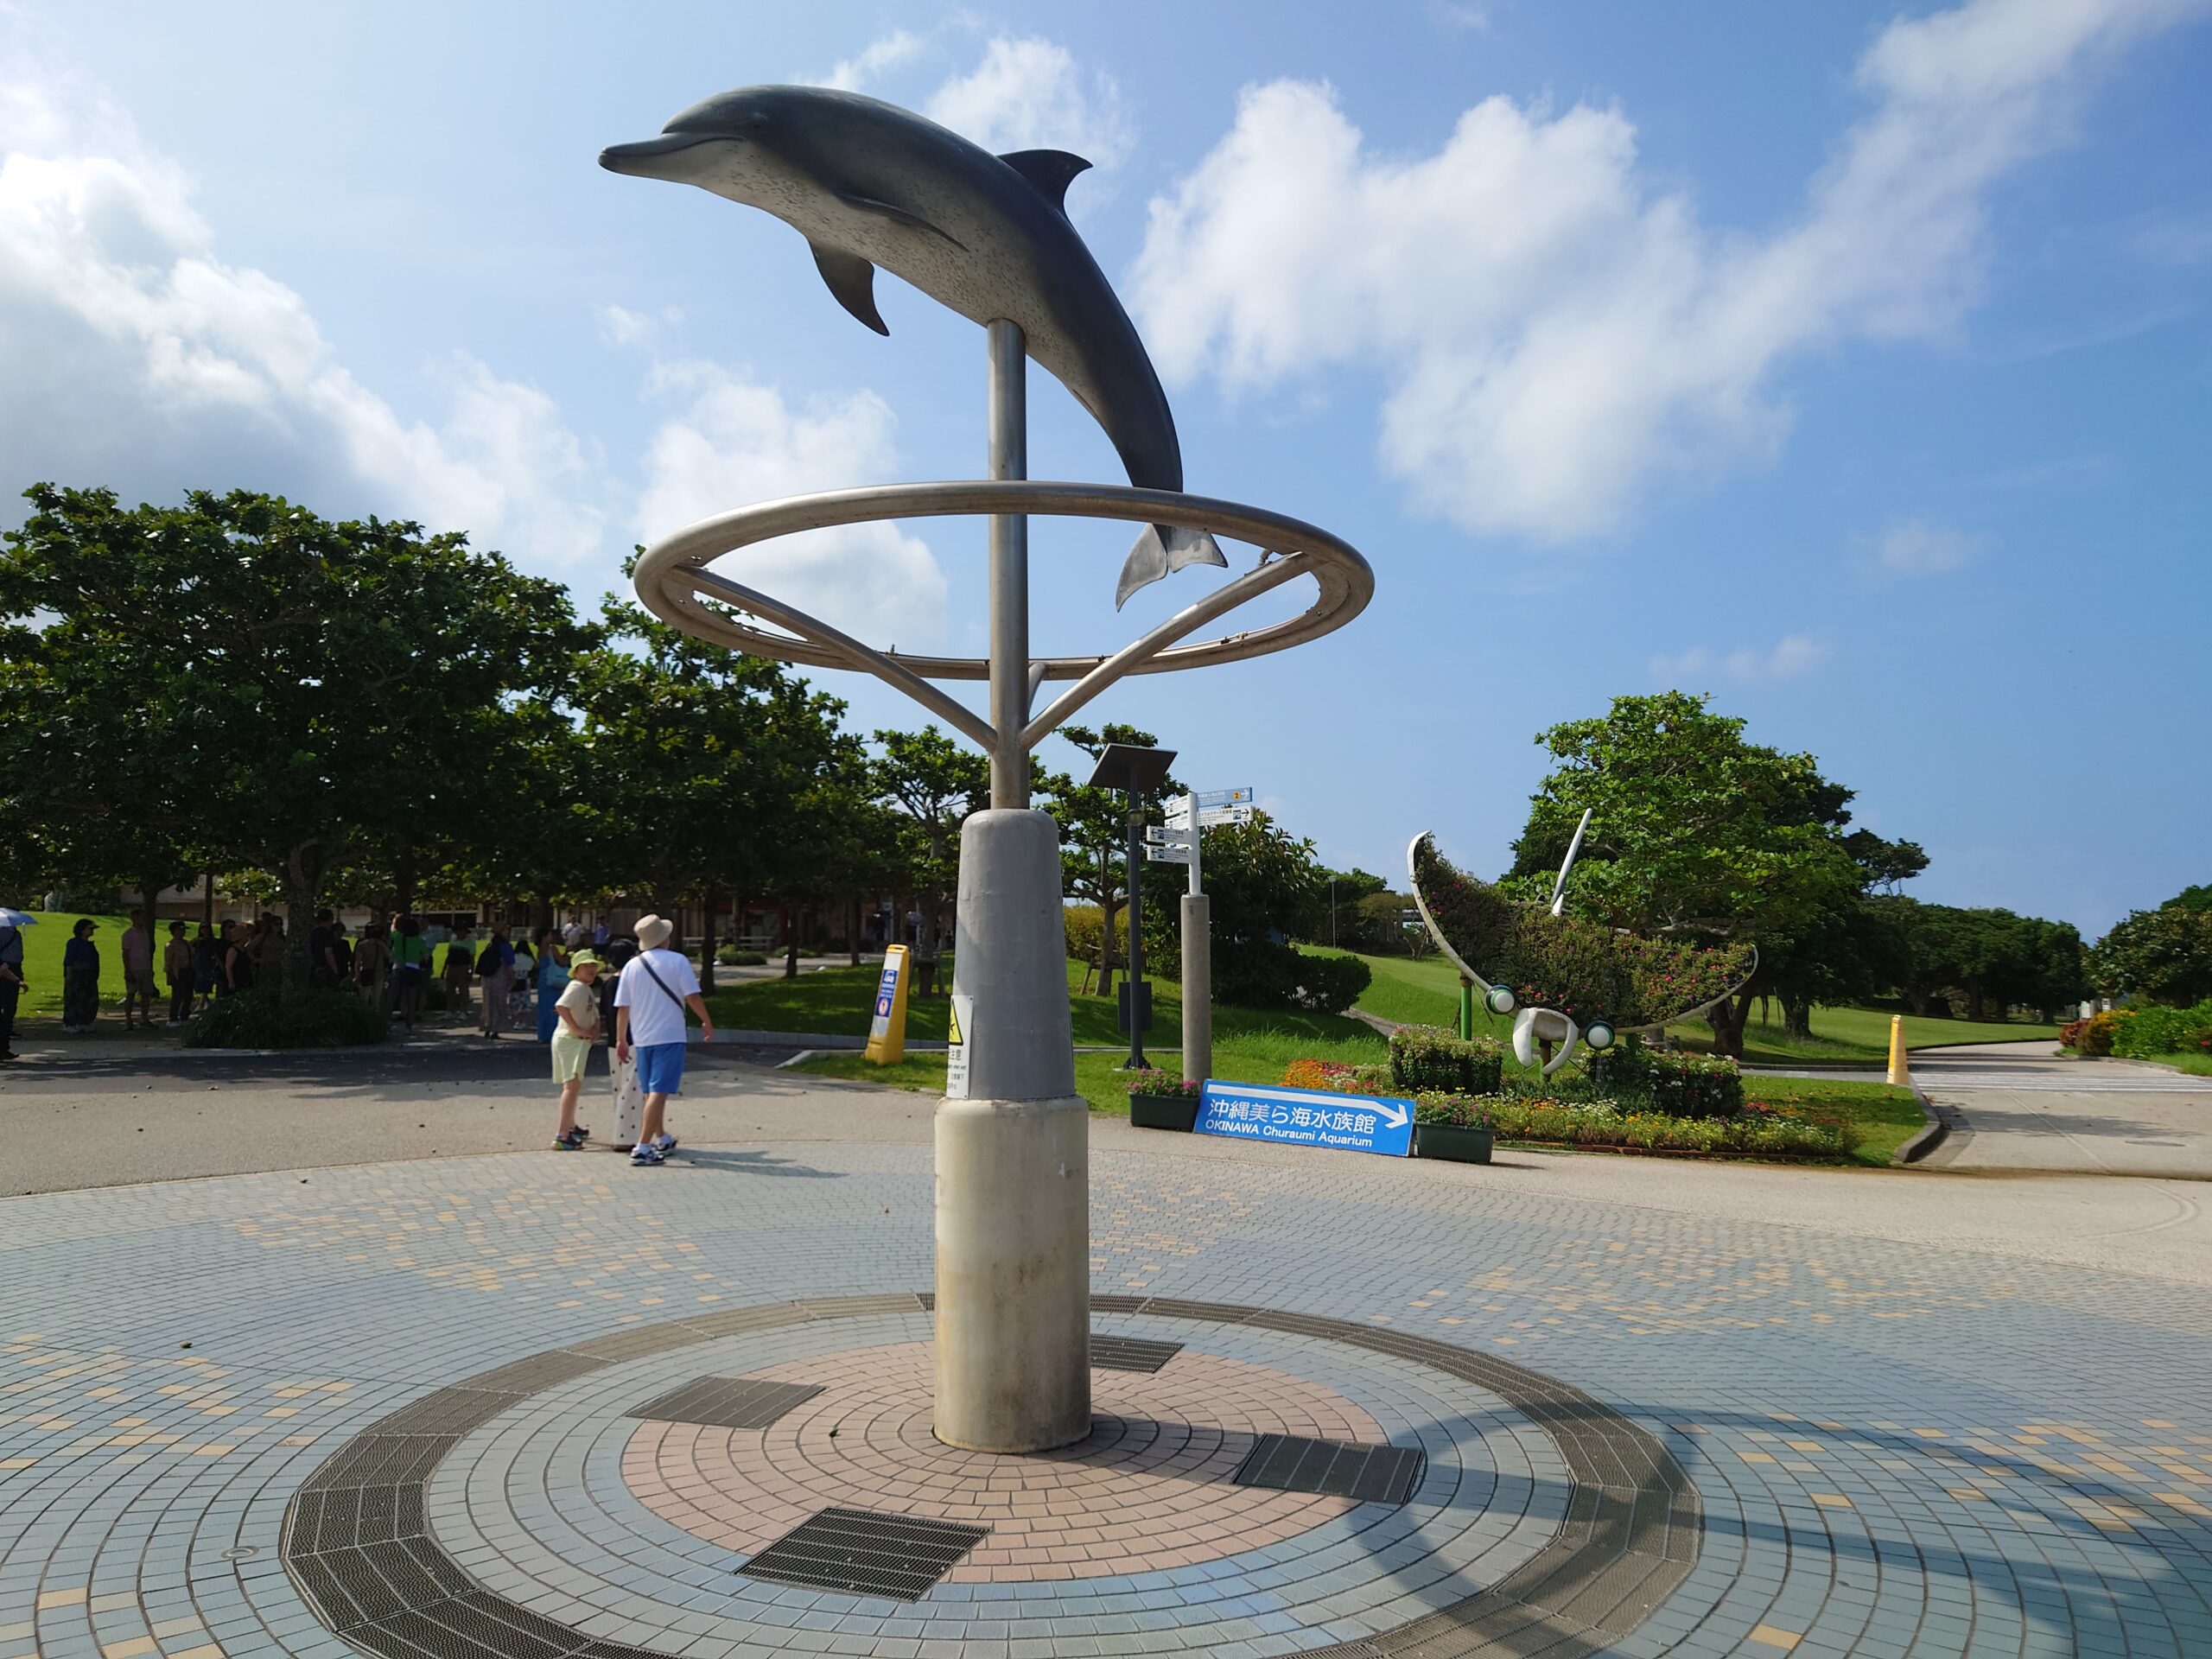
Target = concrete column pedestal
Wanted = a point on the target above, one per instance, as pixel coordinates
(1012, 1160)
(1197, 988)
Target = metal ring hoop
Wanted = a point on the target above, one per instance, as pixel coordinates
(671, 578)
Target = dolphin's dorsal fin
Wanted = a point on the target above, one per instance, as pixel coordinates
(1049, 171)
(852, 279)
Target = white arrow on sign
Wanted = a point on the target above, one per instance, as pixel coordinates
(1393, 1116)
(1178, 818)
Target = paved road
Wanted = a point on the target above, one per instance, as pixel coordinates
(2022, 1106)
(1916, 1420)
(68, 1127)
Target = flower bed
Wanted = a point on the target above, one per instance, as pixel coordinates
(1161, 1100)
(1758, 1130)
(1337, 1077)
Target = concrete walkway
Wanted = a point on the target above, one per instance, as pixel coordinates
(2022, 1106)
(65, 1128)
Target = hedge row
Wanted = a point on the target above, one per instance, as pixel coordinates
(2143, 1033)
(1681, 1085)
(1430, 1057)
(1756, 1129)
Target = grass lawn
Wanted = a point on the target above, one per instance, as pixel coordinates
(1247, 1047)
(1884, 1116)
(1428, 992)
(1258, 1051)
(2197, 1065)
(838, 1002)
(42, 945)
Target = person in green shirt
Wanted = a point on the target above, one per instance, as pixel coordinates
(411, 969)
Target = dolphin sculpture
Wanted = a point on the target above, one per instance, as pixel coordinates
(868, 184)
(1563, 979)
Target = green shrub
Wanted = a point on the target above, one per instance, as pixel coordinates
(730, 956)
(255, 1019)
(1259, 975)
(1759, 1130)
(1085, 925)
(1681, 1085)
(2100, 1031)
(1430, 1057)
(2150, 1030)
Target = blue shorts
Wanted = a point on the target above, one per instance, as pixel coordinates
(660, 1069)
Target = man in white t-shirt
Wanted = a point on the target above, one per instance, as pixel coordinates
(657, 985)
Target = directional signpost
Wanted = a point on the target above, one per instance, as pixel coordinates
(1187, 820)
(1307, 1117)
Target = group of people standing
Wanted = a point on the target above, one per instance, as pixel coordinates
(640, 991)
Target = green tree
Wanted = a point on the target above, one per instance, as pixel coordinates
(696, 757)
(2160, 956)
(936, 783)
(1352, 920)
(1981, 957)
(304, 678)
(1265, 888)
(1094, 835)
(1695, 832)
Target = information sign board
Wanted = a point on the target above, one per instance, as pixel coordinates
(886, 1026)
(1206, 798)
(1307, 1117)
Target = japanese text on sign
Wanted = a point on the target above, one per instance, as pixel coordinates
(1307, 1117)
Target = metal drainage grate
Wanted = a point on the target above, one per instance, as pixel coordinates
(1130, 1353)
(727, 1401)
(1370, 1474)
(866, 1553)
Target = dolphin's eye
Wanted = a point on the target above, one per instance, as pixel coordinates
(756, 122)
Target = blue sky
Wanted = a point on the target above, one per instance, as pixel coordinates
(1851, 364)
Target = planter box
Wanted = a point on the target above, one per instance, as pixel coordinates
(1165, 1112)
(1451, 1141)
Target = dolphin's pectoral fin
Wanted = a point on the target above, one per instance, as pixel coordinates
(852, 279)
(892, 210)
(1048, 171)
(1161, 550)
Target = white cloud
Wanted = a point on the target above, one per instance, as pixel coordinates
(1456, 14)
(620, 325)
(1793, 655)
(886, 51)
(736, 442)
(1558, 332)
(1030, 94)
(1914, 547)
(123, 336)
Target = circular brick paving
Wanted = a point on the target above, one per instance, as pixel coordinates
(1149, 1487)
(529, 1510)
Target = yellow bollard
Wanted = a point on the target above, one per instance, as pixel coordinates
(1900, 1073)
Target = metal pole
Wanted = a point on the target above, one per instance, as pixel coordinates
(1198, 964)
(1134, 978)
(1466, 1007)
(1012, 1351)
(1009, 458)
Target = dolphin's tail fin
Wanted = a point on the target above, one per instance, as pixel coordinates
(1161, 550)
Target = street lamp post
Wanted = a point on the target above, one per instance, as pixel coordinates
(1136, 772)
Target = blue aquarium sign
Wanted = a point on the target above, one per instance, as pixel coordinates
(1307, 1117)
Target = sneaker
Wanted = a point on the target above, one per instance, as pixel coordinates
(647, 1157)
(664, 1142)
(582, 1131)
(569, 1142)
